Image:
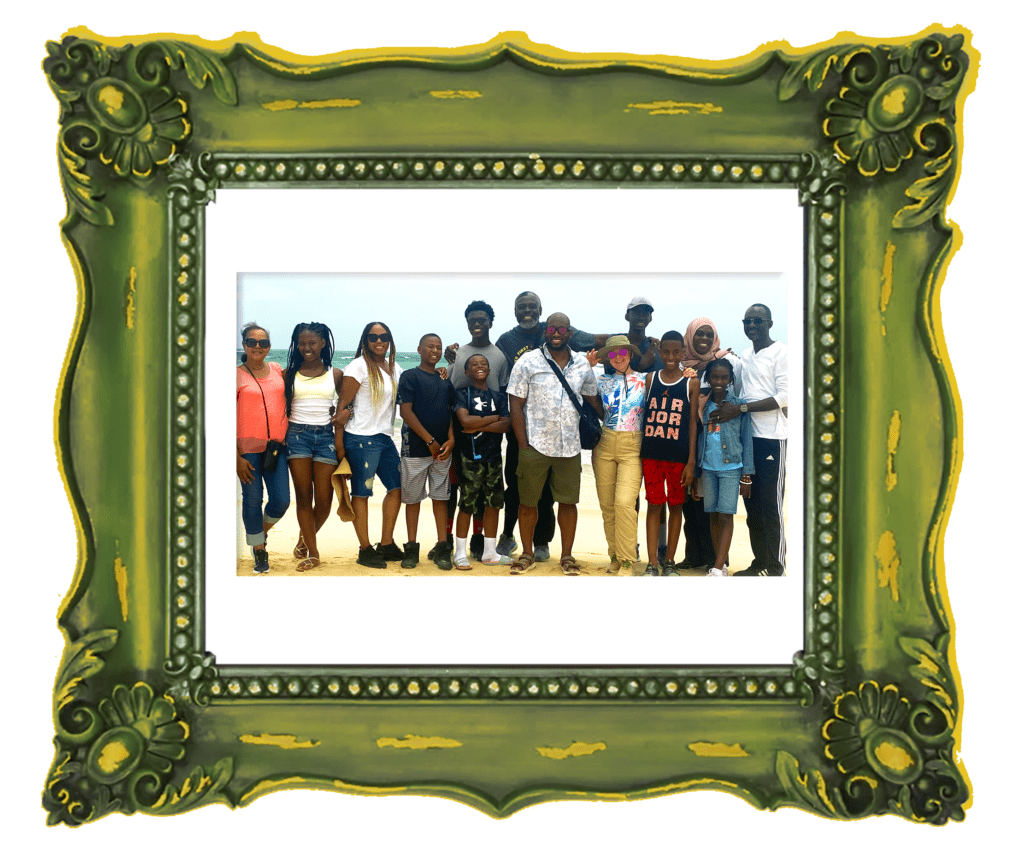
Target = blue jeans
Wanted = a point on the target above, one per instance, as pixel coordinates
(278, 498)
(369, 456)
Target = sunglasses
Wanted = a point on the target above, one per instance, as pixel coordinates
(372, 336)
(618, 354)
(753, 321)
(561, 330)
(263, 343)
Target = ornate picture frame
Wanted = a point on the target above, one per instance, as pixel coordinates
(865, 719)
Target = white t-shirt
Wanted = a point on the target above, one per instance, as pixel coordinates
(766, 374)
(366, 418)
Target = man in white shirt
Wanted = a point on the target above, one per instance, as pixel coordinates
(764, 378)
(546, 426)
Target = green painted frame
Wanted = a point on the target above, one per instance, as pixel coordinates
(864, 721)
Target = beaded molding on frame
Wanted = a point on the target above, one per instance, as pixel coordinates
(193, 183)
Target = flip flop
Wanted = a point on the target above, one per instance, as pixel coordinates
(569, 566)
(300, 551)
(307, 564)
(524, 564)
(462, 564)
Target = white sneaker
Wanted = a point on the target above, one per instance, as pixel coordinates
(723, 571)
(497, 560)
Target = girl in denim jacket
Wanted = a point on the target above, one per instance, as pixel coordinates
(725, 454)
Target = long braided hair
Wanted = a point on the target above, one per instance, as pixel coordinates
(295, 358)
(373, 370)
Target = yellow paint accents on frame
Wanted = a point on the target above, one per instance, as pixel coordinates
(676, 107)
(451, 94)
(889, 563)
(893, 757)
(288, 105)
(285, 742)
(121, 578)
(267, 785)
(577, 748)
(599, 795)
(886, 293)
(111, 756)
(690, 783)
(365, 789)
(717, 750)
(418, 742)
(892, 442)
(129, 309)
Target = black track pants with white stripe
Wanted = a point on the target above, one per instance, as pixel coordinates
(764, 507)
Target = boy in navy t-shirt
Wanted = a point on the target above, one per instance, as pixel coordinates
(483, 415)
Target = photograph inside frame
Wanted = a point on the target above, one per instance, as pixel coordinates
(299, 320)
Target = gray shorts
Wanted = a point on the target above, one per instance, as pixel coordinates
(418, 472)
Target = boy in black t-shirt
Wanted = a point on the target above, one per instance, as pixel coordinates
(483, 415)
(425, 399)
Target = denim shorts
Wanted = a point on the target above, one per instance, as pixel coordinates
(721, 490)
(310, 441)
(369, 456)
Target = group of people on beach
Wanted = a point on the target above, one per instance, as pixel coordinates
(696, 425)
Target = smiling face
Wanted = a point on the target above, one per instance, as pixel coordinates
(478, 369)
(619, 359)
(310, 344)
(671, 353)
(756, 324)
(703, 338)
(719, 378)
(478, 323)
(528, 311)
(255, 355)
(430, 350)
(639, 317)
(557, 334)
(377, 345)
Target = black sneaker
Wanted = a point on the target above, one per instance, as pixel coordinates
(433, 551)
(443, 555)
(412, 555)
(262, 564)
(753, 570)
(670, 570)
(476, 546)
(662, 553)
(370, 558)
(652, 570)
(390, 552)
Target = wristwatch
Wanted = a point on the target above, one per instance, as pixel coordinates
(743, 407)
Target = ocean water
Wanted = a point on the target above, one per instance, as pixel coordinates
(340, 359)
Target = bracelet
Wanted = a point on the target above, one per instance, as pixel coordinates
(746, 481)
(432, 440)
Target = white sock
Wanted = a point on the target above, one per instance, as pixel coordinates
(460, 547)
(490, 548)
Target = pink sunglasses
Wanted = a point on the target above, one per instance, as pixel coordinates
(617, 354)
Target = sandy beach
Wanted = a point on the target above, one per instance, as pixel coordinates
(338, 545)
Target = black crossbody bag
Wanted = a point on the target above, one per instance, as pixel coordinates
(275, 449)
(590, 421)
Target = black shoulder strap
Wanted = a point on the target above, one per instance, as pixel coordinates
(565, 384)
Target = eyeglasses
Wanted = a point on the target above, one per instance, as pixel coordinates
(372, 336)
(262, 343)
(618, 354)
(753, 321)
(561, 330)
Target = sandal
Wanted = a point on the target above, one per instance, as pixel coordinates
(522, 565)
(462, 564)
(307, 564)
(300, 551)
(569, 566)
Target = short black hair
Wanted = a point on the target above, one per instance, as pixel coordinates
(479, 306)
(427, 335)
(672, 335)
(720, 363)
(465, 367)
(761, 306)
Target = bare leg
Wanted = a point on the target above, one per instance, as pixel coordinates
(653, 522)
(323, 493)
(412, 520)
(302, 481)
(462, 524)
(721, 535)
(361, 513)
(675, 525)
(392, 503)
(527, 523)
(490, 522)
(566, 526)
(441, 518)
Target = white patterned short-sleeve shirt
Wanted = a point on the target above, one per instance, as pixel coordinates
(552, 422)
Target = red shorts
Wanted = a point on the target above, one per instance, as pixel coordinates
(659, 474)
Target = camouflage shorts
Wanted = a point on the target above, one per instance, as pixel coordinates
(481, 486)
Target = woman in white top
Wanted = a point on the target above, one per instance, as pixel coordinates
(311, 387)
(370, 388)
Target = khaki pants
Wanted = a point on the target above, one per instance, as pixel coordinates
(617, 472)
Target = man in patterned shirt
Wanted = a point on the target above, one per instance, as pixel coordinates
(546, 427)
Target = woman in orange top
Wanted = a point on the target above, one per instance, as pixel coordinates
(260, 406)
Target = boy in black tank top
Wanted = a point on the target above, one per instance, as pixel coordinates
(669, 447)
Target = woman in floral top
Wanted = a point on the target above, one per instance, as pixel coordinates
(616, 457)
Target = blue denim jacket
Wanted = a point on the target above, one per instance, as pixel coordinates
(737, 441)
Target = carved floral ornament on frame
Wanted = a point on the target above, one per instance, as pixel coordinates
(868, 135)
